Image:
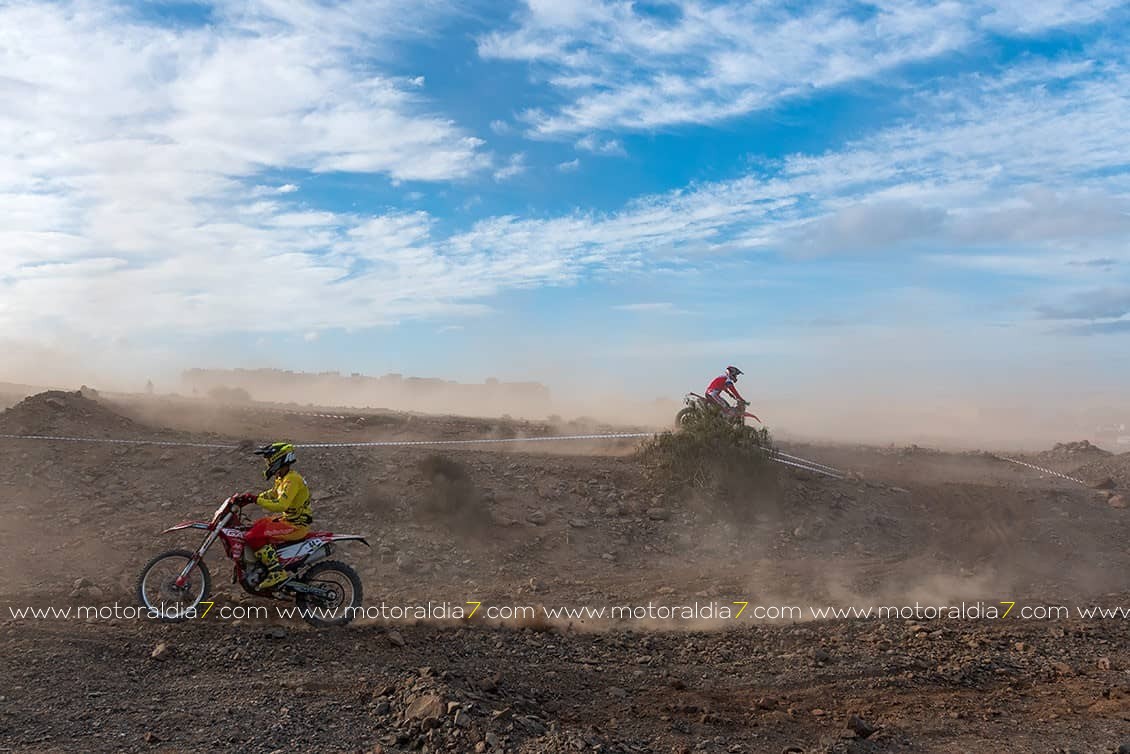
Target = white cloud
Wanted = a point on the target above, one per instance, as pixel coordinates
(515, 165)
(571, 166)
(501, 127)
(287, 188)
(620, 65)
(596, 145)
(651, 306)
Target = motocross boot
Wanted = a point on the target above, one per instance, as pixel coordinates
(276, 574)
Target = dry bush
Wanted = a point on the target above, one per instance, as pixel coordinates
(718, 461)
(452, 496)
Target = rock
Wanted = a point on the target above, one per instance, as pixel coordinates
(428, 708)
(1062, 668)
(1116, 501)
(160, 652)
(1103, 663)
(395, 639)
(1106, 484)
(658, 514)
(81, 583)
(491, 740)
(275, 632)
(861, 727)
(462, 719)
(1124, 749)
(151, 738)
(406, 564)
(537, 517)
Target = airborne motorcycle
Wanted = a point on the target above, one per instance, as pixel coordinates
(173, 583)
(696, 404)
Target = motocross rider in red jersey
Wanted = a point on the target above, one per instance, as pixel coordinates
(724, 383)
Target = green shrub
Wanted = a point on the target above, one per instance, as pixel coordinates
(724, 462)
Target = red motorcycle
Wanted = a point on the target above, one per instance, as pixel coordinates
(696, 404)
(327, 592)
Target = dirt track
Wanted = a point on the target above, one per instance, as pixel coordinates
(526, 525)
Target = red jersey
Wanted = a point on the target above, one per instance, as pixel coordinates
(724, 383)
(720, 383)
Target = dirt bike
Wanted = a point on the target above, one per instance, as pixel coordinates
(174, 583)
(696, 404)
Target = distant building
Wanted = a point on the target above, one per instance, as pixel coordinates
(427, 394)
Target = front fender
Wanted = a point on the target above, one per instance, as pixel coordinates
(189, 525)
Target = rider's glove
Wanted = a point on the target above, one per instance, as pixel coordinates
(245, 498)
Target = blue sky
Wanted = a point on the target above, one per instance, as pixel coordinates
(626, 194)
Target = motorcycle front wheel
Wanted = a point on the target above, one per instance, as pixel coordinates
(684, 417)
(157, 590)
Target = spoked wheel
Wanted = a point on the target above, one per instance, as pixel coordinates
(684, 417)
(158, 591)
(344, 585)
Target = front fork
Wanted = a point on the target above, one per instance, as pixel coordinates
(202, 550)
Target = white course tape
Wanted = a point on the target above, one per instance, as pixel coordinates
(1045, 471)
(813, 469)
(483, 441)
(172, 443)
(783, 458)
(375, 444)
(778, 454)
(289, 412)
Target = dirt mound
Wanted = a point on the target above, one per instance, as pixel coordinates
(1069, 456)
(61, 413)
(1108, 472)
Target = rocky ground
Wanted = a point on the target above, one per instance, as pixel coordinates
(541, 524)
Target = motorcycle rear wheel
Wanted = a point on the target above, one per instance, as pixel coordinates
(339, 578)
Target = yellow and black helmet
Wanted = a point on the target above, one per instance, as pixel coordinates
(277, 455)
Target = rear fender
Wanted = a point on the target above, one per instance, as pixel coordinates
(348, 538)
